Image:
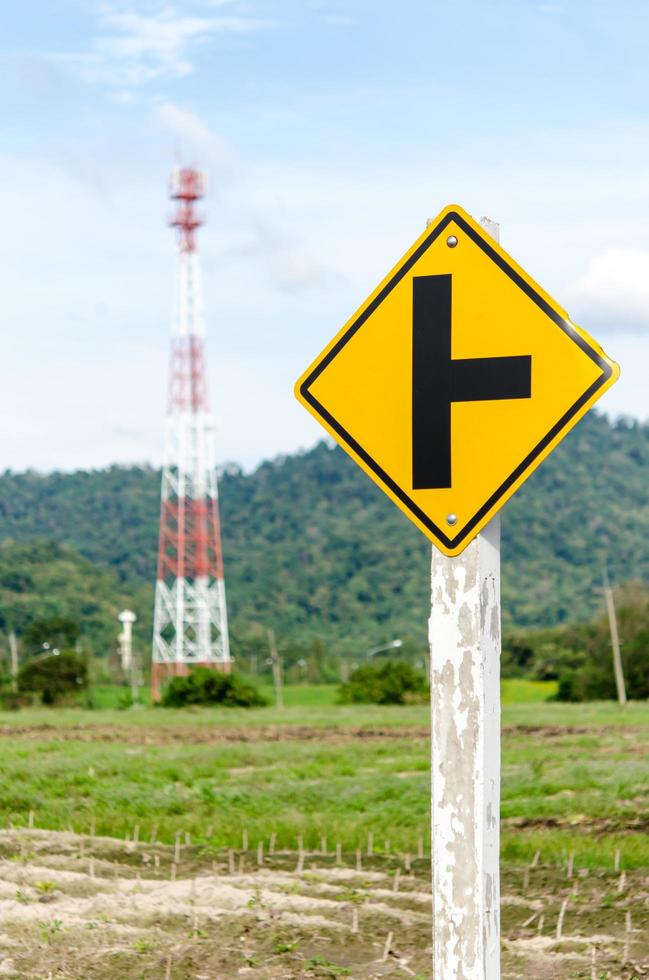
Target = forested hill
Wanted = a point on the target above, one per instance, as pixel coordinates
(313, 548)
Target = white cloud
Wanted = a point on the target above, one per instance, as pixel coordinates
(195, 136)
(614, 290)
(294, 270)
(94, 320)
(184, 122)
(290, 265)
(287, 264)
(38, 77)
(133, 49)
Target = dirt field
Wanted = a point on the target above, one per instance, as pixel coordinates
(90, 907)
(165, 735)
(124, 901)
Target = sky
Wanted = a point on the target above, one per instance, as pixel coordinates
(330, 130)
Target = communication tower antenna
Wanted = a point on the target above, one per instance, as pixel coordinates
(190, 623)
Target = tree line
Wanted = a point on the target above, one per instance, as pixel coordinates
(314, 550)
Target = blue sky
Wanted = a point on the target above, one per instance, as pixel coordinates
(330, 131)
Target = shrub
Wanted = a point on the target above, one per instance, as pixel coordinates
(13, 701)
(205, 686)
(567, 689)
(57, 631)
(394, 682)
(53, 677)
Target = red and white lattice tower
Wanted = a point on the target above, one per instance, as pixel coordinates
(190, 620)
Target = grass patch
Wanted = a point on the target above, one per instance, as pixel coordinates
(574, 776)
(513, 691)
(519, 691)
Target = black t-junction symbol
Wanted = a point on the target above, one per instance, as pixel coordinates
(438, 381)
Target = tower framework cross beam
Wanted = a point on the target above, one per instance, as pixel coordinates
(190, 624)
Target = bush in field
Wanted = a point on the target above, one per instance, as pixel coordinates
(50, 632)
(205, 686)
(394, 682)
(54, 677)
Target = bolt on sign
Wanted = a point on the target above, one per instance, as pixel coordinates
(454, 380)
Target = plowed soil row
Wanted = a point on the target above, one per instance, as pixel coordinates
(168, 734)
(78, 907)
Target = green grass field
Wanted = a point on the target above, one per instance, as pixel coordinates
(574, 777)
(515, 691)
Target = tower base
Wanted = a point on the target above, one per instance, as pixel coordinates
(162, 672)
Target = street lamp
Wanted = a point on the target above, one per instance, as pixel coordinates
(345, 667)
(125, 638)
(126, 618)
(393, 645)
(47, 652)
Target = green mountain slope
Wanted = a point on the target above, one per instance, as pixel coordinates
(43, 579)
(312, 548)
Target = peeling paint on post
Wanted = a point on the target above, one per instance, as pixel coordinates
(465, 771)
(464, 633)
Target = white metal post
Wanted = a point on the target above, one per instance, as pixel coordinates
(464, 633)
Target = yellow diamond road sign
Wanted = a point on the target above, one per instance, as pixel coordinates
(454, 380)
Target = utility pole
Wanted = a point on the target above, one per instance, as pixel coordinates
(615, 640)
(13, 648)
(276, 662)
(464, 635)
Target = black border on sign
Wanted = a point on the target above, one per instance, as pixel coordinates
(564, 325)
